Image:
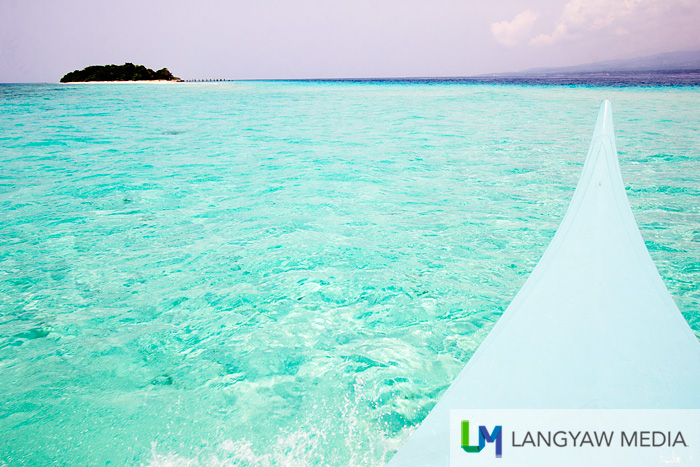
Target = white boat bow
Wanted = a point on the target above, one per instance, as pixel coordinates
(594, 326)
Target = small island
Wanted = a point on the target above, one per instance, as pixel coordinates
(125, 72)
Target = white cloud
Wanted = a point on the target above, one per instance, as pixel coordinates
(560, 31)
(620, 16)
(516, 31)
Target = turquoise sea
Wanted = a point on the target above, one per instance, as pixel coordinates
(290, 273)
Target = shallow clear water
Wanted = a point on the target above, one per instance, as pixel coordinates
(271, 273)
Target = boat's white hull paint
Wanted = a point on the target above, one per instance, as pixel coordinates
(593, 327)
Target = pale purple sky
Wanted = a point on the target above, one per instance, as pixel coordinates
(41, 40)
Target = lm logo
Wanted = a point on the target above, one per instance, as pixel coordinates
(484, 437)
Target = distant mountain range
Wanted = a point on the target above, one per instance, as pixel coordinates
(666, 62)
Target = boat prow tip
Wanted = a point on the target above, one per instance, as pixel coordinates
(604, 123)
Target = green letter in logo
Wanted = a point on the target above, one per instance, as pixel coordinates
(465, 438)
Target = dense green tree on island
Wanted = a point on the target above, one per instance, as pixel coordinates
(125, 72)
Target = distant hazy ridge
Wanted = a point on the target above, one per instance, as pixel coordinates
(673, 61)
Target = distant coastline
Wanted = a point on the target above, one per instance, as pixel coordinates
(614, 79)
(666, 69)
(127, 72)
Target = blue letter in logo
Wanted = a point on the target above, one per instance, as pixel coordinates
(485, 437)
